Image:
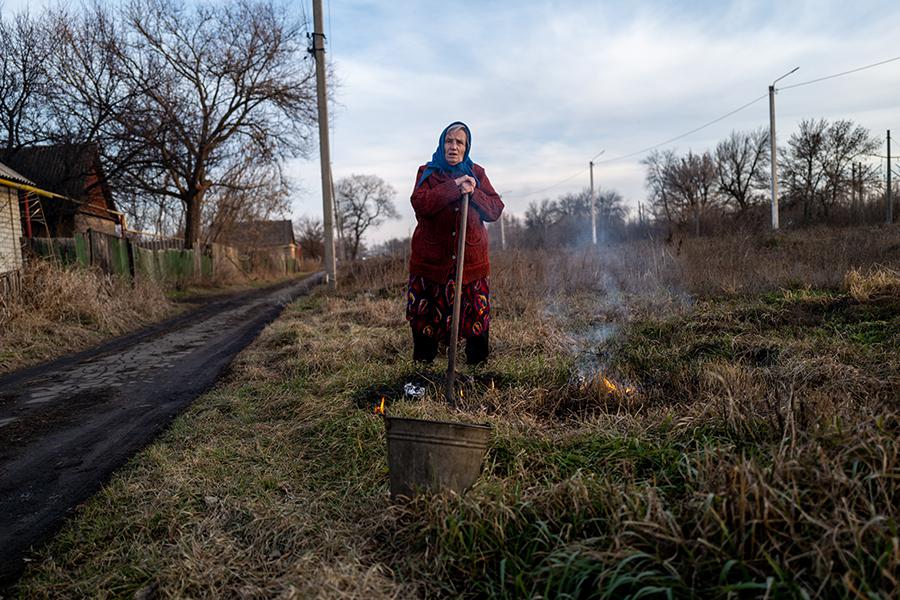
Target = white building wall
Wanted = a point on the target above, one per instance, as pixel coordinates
(10, 231)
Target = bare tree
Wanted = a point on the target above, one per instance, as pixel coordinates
(90, 94)
(362, 202)
(693, 179)
(681, 188)
(661, 199)
(742, 161)
(566, 220)
(247, 192)
(611, 208)
(24, 81)
(311, 237)
(844, 143)
(212, 84)
(538, 219)
(801, 165)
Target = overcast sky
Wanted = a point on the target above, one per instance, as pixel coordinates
(545, 86)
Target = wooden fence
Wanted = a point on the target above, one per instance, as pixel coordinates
(165, 261)
(10, 283)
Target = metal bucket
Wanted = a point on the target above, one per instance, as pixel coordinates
(433, 455)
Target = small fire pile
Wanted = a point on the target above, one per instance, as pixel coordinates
(379, 408)
(600, 386)
(605, 383)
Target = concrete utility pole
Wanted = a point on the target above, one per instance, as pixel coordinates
(503, 232)
(594, 202)
(888, 198)
(318, 51)
(774, 160)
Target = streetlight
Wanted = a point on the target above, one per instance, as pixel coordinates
(594, 201)
(774, 160)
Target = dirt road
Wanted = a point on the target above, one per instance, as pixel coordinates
(67, 425)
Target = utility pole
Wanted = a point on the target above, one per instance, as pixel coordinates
(594, 202)
(593, 208)
(503, 232)
(860, 192)
(318, 50)
(774, 160)
(888, 197)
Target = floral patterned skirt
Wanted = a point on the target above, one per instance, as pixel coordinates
(429, 308)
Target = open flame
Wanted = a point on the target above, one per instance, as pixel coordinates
(611, 388)
(379, 408)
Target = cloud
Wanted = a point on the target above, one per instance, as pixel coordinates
(545, 86)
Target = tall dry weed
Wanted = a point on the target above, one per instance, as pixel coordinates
(877, 280)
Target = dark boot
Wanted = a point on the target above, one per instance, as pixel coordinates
(424, 348)
(477, 349)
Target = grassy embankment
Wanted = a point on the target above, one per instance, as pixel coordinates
(757, 457)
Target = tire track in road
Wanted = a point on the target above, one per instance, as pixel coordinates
(67, 425)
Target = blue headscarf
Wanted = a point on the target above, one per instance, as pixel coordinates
(439, 161)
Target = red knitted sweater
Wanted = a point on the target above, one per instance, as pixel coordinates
(436, 203)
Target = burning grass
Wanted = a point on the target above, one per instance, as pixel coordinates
(755, 455)
(62, 310)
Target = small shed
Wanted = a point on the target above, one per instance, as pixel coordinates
(10, 229)
(73, 171)
(273, 239)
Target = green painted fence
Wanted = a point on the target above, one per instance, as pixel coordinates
(171, 266)
(118, 256)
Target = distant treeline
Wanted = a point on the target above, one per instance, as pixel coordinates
(829, 173)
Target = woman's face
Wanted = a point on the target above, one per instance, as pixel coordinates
(455, 147)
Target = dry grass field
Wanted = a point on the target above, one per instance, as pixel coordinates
(712, 418)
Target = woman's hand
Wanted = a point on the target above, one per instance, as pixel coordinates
(466, 184)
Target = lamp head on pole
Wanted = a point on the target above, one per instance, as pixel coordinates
(794, 70)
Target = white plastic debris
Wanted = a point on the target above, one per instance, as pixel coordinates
(412, 390)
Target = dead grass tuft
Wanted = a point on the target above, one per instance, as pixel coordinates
(876, 281)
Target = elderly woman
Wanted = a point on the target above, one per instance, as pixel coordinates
(436, 199)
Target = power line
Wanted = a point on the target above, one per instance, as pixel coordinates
(558, 183)
(713, 122)
(329, 27)
(683, 135)
(649, 148)
(305, 15)
(856, 70)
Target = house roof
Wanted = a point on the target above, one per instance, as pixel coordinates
(62, 168)
(259, 234)
(8, 173)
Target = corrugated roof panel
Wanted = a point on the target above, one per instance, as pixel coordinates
(7, 173)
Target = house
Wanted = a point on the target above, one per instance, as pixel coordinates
(275, 239)
(73, 171)
(10, 228)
